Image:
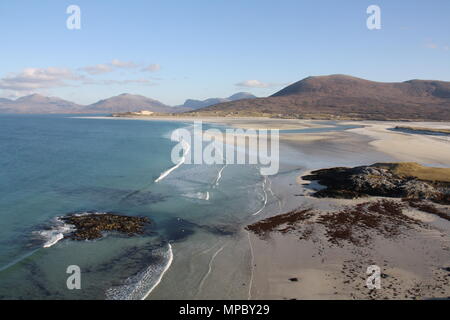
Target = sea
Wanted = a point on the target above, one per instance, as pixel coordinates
(195, 247)
(55, 165)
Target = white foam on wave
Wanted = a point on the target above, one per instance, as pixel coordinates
(169, 263)
(55, 234)
(219, 176)
(198, 195)
(53, 240)
(187, 148)
(265, 197)
(59, 229)
(139, 286)
(87, 213)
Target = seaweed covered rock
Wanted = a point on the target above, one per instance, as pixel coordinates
(388, 180)
(91, 225)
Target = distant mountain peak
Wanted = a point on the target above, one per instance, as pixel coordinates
(197, 104)
(130, 95)
(127, 102)
(37, 103)
(241, 95)
(33, 96)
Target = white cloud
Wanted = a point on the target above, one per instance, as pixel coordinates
(152, 68)
(118, 64)
(123, 64)
(254, 84)
(35, 78)
(130, 81)
(98, 69)
(32, 80)
(108, 82)
(109, 67)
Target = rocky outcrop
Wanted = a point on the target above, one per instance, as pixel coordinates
(91, 226)
(378, 180)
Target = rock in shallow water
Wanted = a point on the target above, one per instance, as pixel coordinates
(90, 226)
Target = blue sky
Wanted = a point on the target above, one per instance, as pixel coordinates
(173, 50)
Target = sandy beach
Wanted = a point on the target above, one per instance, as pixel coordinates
(414, 265)
(304, 263)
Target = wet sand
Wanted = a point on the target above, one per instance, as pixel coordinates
(414, 265)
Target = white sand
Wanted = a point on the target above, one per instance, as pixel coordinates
(413, 263)
(425, 149)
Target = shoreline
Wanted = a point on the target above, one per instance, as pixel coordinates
(166, 268)
(320, 269)
(316, 265)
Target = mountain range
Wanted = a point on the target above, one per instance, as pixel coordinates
(37, 103)
(198, 104)
(346, 97)
(320, 97)
(126, 102)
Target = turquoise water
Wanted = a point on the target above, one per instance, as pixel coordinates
(53, 165)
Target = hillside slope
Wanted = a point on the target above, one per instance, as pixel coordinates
(193, 104)
(37, 103)
(345, 97)
(127, 103)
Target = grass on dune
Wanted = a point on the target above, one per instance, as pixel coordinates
(412, 169)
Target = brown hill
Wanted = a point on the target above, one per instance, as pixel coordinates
(127, 103)
(345, 97)
(37, 103)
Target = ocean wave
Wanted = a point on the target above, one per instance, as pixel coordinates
(55, 233)
(87, 213)
(140, 285)
(187, 148)
(265, 197)
(198, 195)
(57, 229)
(219, 176)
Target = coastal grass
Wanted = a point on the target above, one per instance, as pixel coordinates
(412, 169)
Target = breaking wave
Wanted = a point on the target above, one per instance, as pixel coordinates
(140, 285)
(219, 176)
(198, 195)
(187, 148)
(55, 233)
